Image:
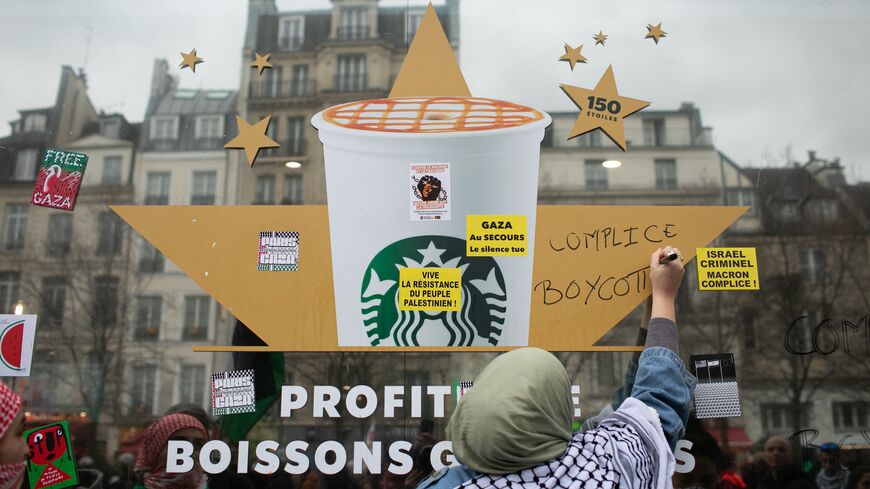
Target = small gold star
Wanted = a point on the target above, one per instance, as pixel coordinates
(261, 63)
(572, 55)
(252, 138)
(190, 60)
(599, 38)
(655, 32)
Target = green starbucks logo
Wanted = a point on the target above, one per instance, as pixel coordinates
(482, 314)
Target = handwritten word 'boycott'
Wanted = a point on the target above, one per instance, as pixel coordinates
(603, 288)
(611, 237)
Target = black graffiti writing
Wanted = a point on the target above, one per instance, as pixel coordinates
(611, 237)
(827, 333)
(847, 452)
(601, 288)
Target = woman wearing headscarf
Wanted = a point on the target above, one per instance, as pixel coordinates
(513, 428)
(151, 464)
(13, 448)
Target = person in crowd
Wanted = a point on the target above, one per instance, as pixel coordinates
(776, 469)
(728, 477)
(832, 475)
(124, 478)
(150, 469)
(860, 478)
(13, 448)
(513, 429)
(707, 456)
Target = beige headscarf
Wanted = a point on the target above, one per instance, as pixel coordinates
(517, 415)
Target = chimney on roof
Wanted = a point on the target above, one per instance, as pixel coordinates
(812, 155)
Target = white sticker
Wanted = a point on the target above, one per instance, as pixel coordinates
(278, 251)
(429, 187)
(16, 344)
(232, 392)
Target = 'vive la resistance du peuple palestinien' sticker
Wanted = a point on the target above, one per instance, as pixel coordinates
(51, 464)
(16, 344)
(59, 179)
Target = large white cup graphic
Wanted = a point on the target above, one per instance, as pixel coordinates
(492, 149)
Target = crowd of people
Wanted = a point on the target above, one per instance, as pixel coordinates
(512, 430)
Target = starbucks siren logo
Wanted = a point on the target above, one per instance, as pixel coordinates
(483, 305)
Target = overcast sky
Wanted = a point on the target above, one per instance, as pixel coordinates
(765, 75)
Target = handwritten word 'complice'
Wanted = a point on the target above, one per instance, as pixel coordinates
(826, 326)
(610, 237)
(603, 288)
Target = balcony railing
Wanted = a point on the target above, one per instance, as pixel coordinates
(351, 83)
(202, 200)
(260, 89)
(352, 32)
(295, 147)
(288, 43)
(156, 200)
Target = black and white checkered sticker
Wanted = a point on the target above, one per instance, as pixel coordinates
(278, 251)
(232, 392)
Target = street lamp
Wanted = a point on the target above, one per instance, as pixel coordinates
(19, 308)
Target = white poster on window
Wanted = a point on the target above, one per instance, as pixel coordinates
(16, 344)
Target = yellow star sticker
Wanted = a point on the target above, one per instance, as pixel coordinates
(190, 60)
(655, 32)
(602, 107)
(573, 56)
(261, 63)
(252, 138)
(599, 38)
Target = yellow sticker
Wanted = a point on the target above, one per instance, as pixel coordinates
(494, 235)
(727, 269)
(430, 289)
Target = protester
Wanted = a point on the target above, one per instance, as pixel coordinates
(514, 427)
(833, 475)
(13, 448)
(776, 469)
(124, 479)
(860, 478)
(150, 467)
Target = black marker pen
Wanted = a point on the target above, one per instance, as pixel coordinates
(668, 258)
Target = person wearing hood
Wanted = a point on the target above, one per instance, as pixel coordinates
(13, 448)
(150, 469)
(513, 429)
(833, 475)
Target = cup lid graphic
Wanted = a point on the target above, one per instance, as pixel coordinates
(421, 115)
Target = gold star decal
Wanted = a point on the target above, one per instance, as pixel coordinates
(599, 38)
(261, 63)
(655, 32)
(190, 60)
(602, 107)
(573, 56)
(252, 138)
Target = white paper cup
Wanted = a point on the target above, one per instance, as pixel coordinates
(493, 150)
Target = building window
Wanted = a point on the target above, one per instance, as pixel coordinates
(779, 417)
(825, 210)
(589, 140)
(111, 128)
(204, 183)
(747, 319)
(16, 227)
(157, 188)
(59, 235)
(209, 127)
(264, 189)
(849, 416)
(414, 19)
(351, 76)
(596, 175)
(654, 132)
(191, 384)
(150, 260)
(52, 299)
(812, 263)
(292, 190)
(666, 174)
(291, 33)
(296, 136)
(111, 234)
(25, 164)
(353, 23)
(9, 290)
(149, 311)
(196, 317)
(105, 306)
(112, 170)
(547, 142)
(300, 85)
(164, 127)
(742, 197)
(143, 383)
(35, 122)
(274, 79)
(788, 211)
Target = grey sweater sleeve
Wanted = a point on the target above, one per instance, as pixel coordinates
(663, 333)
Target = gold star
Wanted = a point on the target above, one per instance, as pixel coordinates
(572, 55)
(655, 32)
(599, 38)
(602, 108)
(261, 63)
(252, 137)
(190, 60)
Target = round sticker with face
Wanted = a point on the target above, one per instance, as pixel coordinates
(47, 445)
